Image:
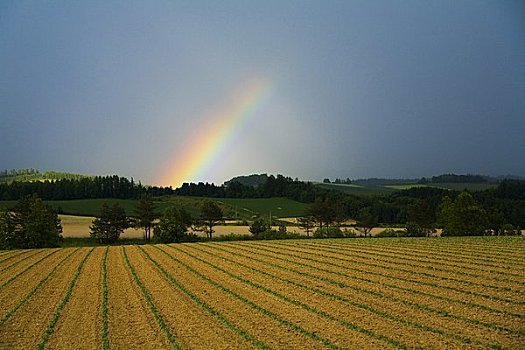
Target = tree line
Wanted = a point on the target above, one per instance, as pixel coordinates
(81, 188)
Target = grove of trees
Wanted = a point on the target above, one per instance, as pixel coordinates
(30, 224)
(108, 227)
(173, 226)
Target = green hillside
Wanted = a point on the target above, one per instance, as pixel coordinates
(243, 209)
(361, 190)
(33, 175)
(372, 190)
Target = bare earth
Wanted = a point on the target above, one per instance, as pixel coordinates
(432, 293)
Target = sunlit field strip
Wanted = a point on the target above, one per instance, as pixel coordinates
(231, 280)
(158, 317)
(104, 308)
(27, 268)
(451, 260)
(438, 250)
(278, 312)
(276, 283)
(11, 294)
(392, 265)
(188, 314)
(336, 286)
(18, 261)
(8, 255)
(226, 322)
(131, 324)
(81, 314)
(495, 304)
(425, 263)
(25, 328)
(277, 332)
(65, 299)
(344, 277)
(480, 246)
(25, 299)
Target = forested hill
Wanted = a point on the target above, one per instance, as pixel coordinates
(80, 188)
(33, 175)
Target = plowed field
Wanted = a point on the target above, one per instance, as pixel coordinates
(437, 293)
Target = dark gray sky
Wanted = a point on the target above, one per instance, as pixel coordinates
(355, 88)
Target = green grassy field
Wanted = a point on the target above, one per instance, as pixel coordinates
(371, 190)
(362, 190)
(233, 208)
(278, 207)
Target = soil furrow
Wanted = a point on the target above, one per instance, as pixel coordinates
(25, 259)
(25, 328)
(401, 309)
(16, 291)
(437, 256)
(436, 276)
(18, 272)
(270, 328)
(500, 305)
(447, 264)
(396, 291)
(63, 303)
(81, 315)
(130, 322)
(180, 312)
(386, 327)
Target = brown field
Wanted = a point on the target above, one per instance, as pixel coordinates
(430, 293)
(78, 227)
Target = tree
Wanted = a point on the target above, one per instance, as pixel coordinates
(326, 212)
(173, 225)
(145, 215)
(462, 217)
(111, 223)
(306, 223)
(366, 221)
(420, 219)
(211, 215)
(31, 224)
(496, 222)
(258, 227)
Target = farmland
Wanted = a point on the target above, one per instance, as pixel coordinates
(354, 293)
(386, 189)
(232, 207)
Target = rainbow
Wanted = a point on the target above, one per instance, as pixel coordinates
(205, 149)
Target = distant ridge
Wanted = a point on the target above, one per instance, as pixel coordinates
(253, 180)
(443, 178)
(34, 175)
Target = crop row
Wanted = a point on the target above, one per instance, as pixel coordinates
(376, 296)
(439, 258)
(345, 279)
(331, 266)
(274, 280)
(260, 295)
(399, 267)
(306, 280)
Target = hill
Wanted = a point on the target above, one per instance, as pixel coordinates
(253, 180)
(233, 208)
(33, 175)
(385, 189)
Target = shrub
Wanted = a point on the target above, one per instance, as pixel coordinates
(412, 229)
(333, 232)
(173, 226)
(258, 227)
(31, 224)
(391, 233)
(111, 223)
